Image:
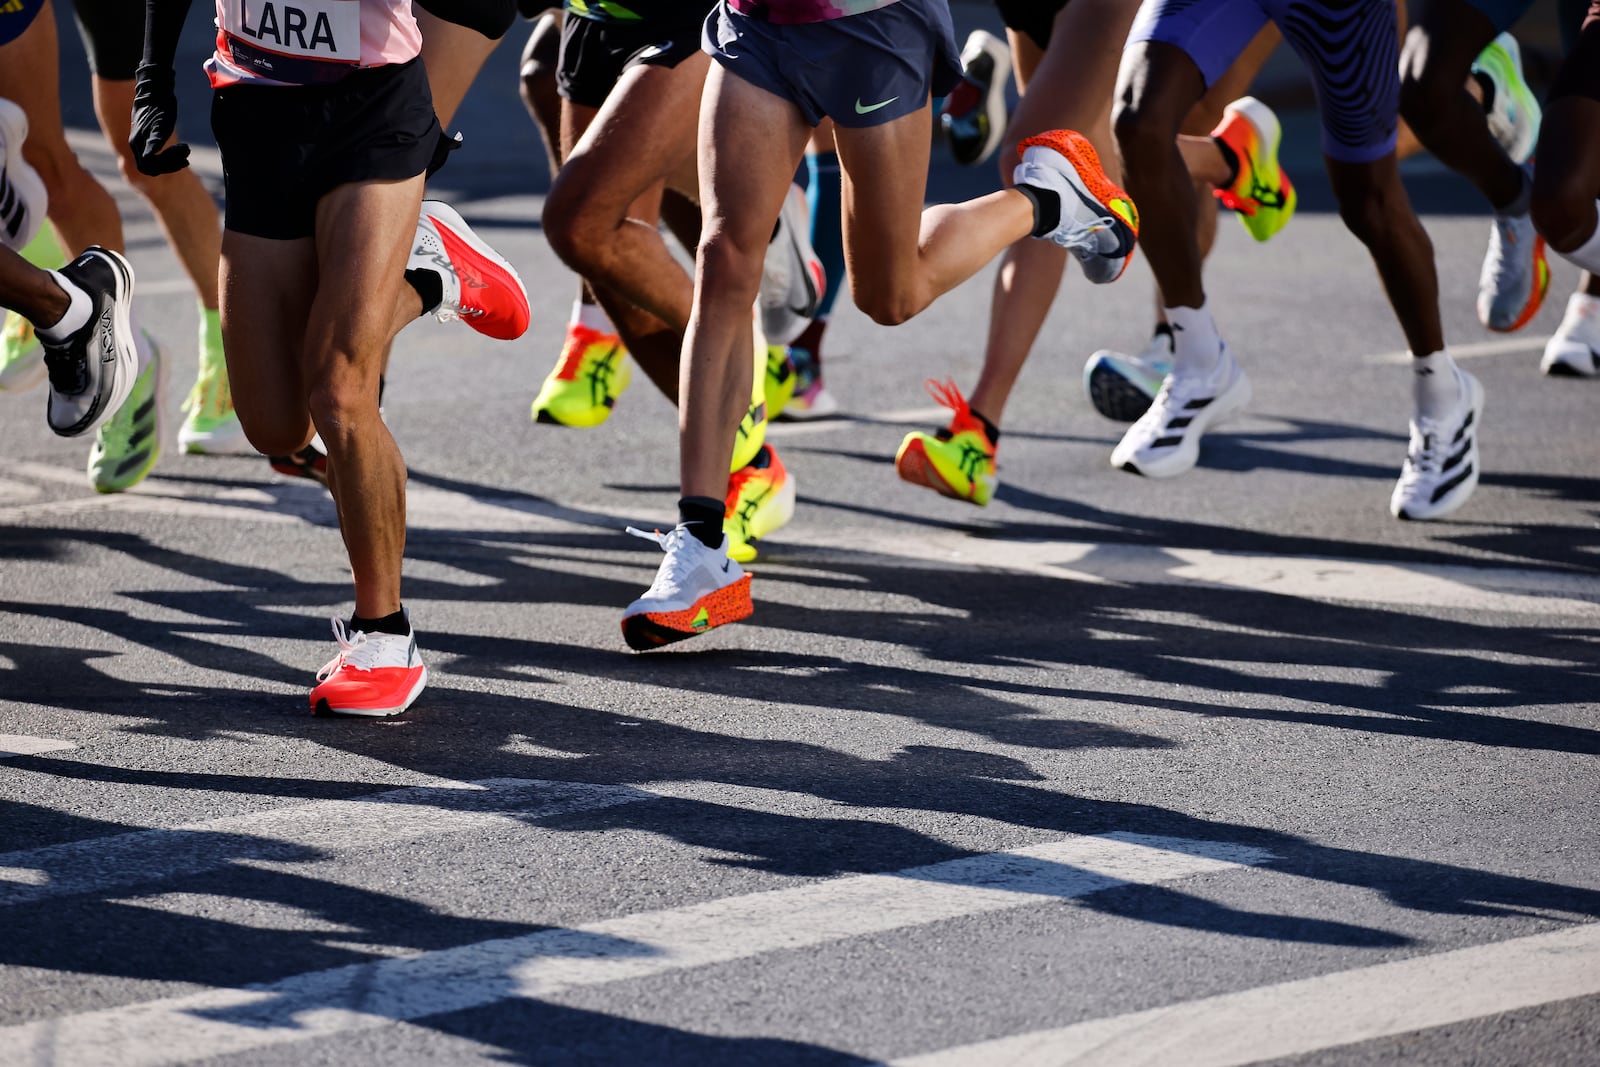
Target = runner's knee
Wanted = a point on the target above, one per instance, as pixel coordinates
(887, 301)
(1563, 208)
(573, 221)
(727, 267)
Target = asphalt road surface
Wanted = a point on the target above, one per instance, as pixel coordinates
(1224, 770)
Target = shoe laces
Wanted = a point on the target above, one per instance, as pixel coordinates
(68, 368)
(1425, 458)
(354, 651)
(948, 394)
(673, 575)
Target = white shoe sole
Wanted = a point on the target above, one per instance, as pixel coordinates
(30, 187)
(1570, 359)
(1180, 458)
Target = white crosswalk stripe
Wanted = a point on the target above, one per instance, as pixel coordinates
(1294, 1018)
(365, 996)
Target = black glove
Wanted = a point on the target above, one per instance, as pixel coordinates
(155, 119)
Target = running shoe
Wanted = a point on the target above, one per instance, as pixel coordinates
(128, 444)
(1441, 468)
(1512, 108)
(974, 114)
(587, 380)
(1121, 386)
(1515, 275)
(21, 357)
(479, 286)
(957, 461)
(1165, 441)
(1261, 194)
(792, 278)
(1098, 224)
(92, 372)
(23, 200)
(752, 432)
(373, 675)
(810, 399)
(760, 500)
(696, 589)
(210, 426)
(780, 381)
(1574, 350)
(311, 462)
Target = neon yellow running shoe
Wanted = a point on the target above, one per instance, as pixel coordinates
(587, 380)
(760, 500)
(780, 380)
(1261, 194)
(958, 461)
(753, 427)
(210, 427)
(128, 444)
(21, 355)
(1513, 109)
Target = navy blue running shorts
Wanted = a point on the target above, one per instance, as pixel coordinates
(285, 147)
(1351, 48)
(859, 70)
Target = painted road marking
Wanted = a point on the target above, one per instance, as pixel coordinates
(1294, 1018)
(298, 834)
(370, 995)
(23, 745)
(1475, 350)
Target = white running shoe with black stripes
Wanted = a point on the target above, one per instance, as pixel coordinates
(1441, 468)
(1165, 441)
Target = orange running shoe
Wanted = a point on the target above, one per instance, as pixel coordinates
(374, 675)
(478, 285)
(696, 589)
(1261, 192)
(959, 460)
(1098, 222)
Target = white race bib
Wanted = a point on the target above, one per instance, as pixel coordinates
(310, 29)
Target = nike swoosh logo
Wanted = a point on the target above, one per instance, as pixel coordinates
(870, 108)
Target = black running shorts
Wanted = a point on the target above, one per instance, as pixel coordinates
(1031, 17)
(113, 35)
(595, 53)
(286, 147)
(1579, 74)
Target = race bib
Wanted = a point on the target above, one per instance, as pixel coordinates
(328, 30)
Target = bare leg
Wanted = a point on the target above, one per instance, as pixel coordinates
(540, 96)
(364, 233)
(453, 55)
(1375, 207)
(82, 210)
(29, 291)
(181, 203)
(266, 293)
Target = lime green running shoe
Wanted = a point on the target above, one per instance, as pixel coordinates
(1513, 110)
(1261, 194)
(780, 381)
(128, 444)
(753, 427)
(760, 499)
(21, 355)
(959, 460)
(587, 380)
(210, 426)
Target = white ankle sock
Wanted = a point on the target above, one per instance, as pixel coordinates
(592, 316)
(78, 308)
(1435, 388)
(1196, 348)
(1587, 255)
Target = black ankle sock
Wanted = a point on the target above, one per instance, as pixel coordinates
(393, 623)
(988, 427)
(381, 384)
(703, 516)
(1046, 208)
(1231, 158)
(428, 287)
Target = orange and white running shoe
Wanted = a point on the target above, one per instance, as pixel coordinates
(1098, 222)
(374, 675)
(696, 589)
(760, 500)
(1261, 192)
(479, 286)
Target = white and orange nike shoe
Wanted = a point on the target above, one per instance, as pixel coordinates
(477, 284)
(374, 675)
(696, 589)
